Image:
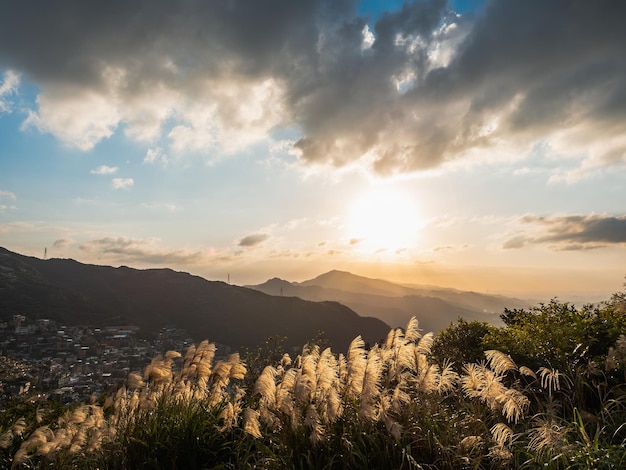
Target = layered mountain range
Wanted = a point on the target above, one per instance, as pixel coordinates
(395, 304)
(74, 293)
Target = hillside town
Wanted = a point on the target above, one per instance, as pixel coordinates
(71, 363)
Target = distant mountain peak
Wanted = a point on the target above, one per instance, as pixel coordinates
(74, 293)
(347, 281)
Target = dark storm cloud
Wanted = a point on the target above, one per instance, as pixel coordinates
(575, 232)
(253, 240)
(420, 87)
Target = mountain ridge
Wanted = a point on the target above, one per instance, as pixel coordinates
(434, 307)
(76, 293)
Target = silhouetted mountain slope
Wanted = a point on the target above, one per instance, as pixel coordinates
(76, 293)
(395, 304)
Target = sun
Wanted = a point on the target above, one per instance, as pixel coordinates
(384, 220)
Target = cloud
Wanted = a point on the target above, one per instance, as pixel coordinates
(156, 155)
(418, 88)
(81, 118)
(160, 206)
(573, 232)
(63, 243)
(8, 86)
(7, 195)
(253, 240)
(123, 183)
(139, 250)
(104, 170)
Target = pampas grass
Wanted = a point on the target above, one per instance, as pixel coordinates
(387, 406)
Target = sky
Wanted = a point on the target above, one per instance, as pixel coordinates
(470, 144)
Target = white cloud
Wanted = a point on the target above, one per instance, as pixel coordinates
(7, 195)
(78, 118)
(104, 170)
(156, 155)
(160, 207)
(123, 183)
(9, 86)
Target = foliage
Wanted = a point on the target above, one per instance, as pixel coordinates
(460, 343)
(558, 335)
(398, 404)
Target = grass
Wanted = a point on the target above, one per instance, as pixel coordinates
(388, 406)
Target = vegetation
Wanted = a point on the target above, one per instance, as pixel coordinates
(551, 395)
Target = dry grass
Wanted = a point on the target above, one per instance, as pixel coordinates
(388, 406)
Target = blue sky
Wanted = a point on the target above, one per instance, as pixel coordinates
(466, 144)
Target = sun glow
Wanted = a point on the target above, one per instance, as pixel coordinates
(384, 220)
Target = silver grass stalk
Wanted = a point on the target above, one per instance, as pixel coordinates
(334, 408)
(551, 379)
(309, 367)
(237, 367)
(425, 344)
(203, 368)
(20, 457)
(502, 434)
(267, 417)
(19, 426)
(500, 453)
(228, 416)
(284, 390)
(78, 416)
(305, 379)
(39, 415)
(493, 392)
(170, 355)
(412, 332)
(134, 380)
(392, 338)
(312, 421)
(515, 403)
(266, 386)
(221, 373)
(371, 385)
(546, 438)
(357, 362)
(447, 378)
(45, 448)
(393, 427)
(285, 361)
(527, 372)
(400, 398)
(499, 361)
(189, 355)
(6, 439)
(342, 368)
(326, 372)
(472, 380)
(427, 375)
(470, 443)
(251, 422)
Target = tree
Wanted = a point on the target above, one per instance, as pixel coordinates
(557, 334)
(461, 342)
